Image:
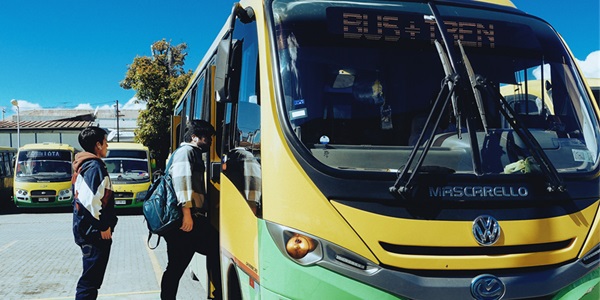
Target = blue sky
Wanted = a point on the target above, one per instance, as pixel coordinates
(74, 53)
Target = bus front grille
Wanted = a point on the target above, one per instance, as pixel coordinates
(123, 195)
(43, 193)
(460, 251)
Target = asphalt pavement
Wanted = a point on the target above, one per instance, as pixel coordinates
(39, 259)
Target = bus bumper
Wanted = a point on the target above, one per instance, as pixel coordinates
(283, 277)
(42, 204)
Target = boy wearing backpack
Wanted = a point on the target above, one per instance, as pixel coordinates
(94, 216)
(187, 172)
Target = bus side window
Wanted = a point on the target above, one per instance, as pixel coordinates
(3, 159)
(242, 122)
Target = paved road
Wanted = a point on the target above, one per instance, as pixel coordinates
(39, 260)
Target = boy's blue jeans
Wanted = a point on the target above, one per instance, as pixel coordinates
(95, 258)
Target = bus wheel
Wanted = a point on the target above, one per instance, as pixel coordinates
(233, 286)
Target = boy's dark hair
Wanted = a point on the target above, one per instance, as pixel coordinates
(199, 128)
(89, 136)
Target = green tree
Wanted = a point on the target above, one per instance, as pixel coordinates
(159, 81)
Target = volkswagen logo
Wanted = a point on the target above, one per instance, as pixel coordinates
(487, 287)
(486, 230)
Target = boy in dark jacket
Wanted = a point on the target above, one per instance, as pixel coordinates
(94, 217)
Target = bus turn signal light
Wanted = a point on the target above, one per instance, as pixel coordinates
(299, 245)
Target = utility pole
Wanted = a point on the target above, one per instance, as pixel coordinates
(117, 115)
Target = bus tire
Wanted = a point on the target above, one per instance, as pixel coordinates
(233, 285)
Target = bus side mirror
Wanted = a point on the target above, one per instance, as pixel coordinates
(222, 70)
(228, 58)
(227, 74)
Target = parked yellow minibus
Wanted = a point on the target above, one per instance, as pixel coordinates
(365, 150)
(42, 176)
(129, 168)
(7, 156)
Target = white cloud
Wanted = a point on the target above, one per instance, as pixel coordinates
(83, 106)
(538, 74)
(591, 65)
(131, 104)
(25, 105)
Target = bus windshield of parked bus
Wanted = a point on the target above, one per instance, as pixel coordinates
(127, 166)
(360, 83)
(43, 165)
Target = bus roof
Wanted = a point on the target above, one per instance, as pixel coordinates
(7, 148)
(126, 146)
(47, 146)
(499, 2)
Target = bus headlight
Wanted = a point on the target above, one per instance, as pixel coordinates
(65, 195)
(299, 245)
(309, 250)
(22, 195)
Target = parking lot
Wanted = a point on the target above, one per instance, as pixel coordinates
(39, 260)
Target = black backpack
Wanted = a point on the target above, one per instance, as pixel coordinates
(161, 208)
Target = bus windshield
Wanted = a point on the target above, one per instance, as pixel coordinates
(360, 79)
(43, 166)
(127, 170)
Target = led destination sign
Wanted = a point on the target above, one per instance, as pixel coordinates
(393, 26)
(45, 155)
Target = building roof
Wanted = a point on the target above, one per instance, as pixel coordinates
(45, 124)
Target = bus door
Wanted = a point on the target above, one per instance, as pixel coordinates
(240, 181)
(6, 173)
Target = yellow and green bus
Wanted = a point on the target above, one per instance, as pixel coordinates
(365, 150)
(7, 159)
(129, 168)
(42, 176)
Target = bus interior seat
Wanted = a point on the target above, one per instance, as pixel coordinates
(530, 113)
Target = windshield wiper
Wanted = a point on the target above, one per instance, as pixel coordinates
(403, 186)
(479, 83)
(476, 83)
(450, 74)
(554, 182)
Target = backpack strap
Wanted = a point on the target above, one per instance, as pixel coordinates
(168, 166)
(157, 241)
